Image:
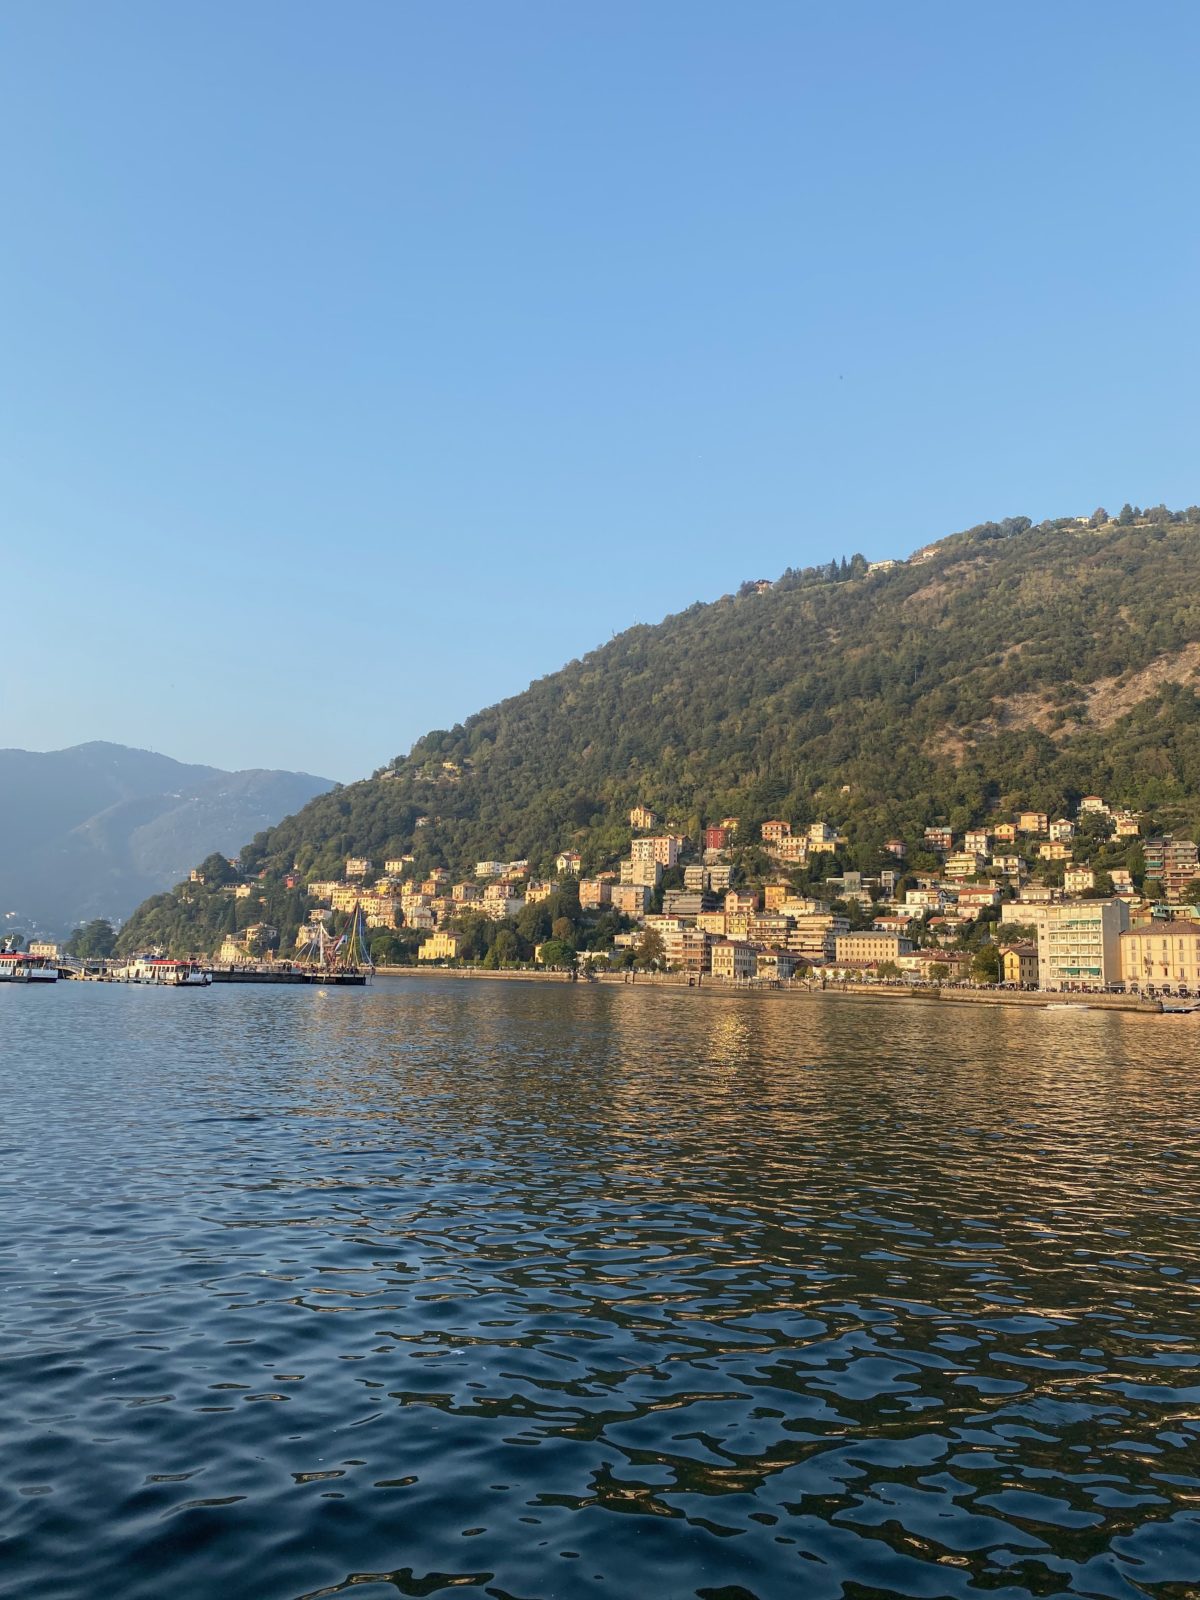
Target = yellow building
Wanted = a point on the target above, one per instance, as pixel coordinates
(1019, 965)
(444, 946)
(871, 946)
(1162, 955)
(642, 817)
(733, 958)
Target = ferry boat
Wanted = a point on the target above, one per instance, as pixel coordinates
(18, 966)
(164, 973)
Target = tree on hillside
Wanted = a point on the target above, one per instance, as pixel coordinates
(216, 871)
(92, 941)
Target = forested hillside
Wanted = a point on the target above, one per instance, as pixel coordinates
(1008, 665)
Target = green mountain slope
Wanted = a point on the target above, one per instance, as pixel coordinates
(1010, 664)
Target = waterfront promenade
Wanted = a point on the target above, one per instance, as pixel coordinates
(878, 991)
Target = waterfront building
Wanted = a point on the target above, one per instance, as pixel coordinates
(1079, 944)
(1019, 964)
(936, 965)
(814, 937)
(686, 949)
(445, 945)
(732, 959)
(769, 928)
(871, 945)
(775, 965)
(1162, 954)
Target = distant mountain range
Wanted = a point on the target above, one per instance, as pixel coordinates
(91, 831)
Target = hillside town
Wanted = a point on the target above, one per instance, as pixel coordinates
(1028, 901)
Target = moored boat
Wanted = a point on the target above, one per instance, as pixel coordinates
(18, 966)
(164, 973)
(342, 961)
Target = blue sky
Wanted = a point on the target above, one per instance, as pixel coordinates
(361, 363)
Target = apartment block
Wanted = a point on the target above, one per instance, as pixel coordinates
(1079, 944)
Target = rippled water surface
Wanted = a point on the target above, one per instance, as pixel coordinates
(539, 1290)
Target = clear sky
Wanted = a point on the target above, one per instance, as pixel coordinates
(362, 362)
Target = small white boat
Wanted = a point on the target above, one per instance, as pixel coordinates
(164, 973)
(17, 966)
(1067, 1005)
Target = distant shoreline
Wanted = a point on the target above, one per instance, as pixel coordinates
(986, 997)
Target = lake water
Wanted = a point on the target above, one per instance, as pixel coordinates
(533, 1290)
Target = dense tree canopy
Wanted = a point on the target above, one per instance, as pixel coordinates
(92, 941)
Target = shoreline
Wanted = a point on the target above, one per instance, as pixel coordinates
(1040, 999)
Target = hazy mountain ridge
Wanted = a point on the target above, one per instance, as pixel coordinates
(102, 826)
(1009, 664)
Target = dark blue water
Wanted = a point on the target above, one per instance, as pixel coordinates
(536, 1291)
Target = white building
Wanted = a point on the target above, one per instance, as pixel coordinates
(1079, 944)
